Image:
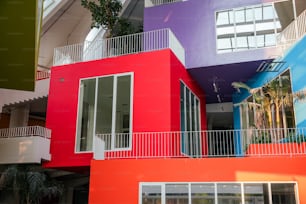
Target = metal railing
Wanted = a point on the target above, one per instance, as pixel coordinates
(203, 144)
(27, 131)
(293, 32)
(42, 75)
(122, 45)
(151, 3)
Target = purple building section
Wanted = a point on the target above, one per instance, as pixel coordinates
(193, 23)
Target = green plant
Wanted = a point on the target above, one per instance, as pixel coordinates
(104, 13)
(295, 138)
(29, 183)
(262, 139)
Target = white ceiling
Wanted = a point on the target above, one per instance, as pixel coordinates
(69, 23)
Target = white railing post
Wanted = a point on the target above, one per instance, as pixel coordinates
(98, 148)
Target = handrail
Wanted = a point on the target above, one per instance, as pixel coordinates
(151, 3)
(122, 45)
(27, 131)
(203, 144)
(40, 75)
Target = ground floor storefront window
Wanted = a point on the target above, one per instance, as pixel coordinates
(219, 193)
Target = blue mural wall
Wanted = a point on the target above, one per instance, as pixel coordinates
(294, 60)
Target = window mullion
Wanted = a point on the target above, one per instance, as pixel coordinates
(95, 116)
(242, 193)
(163, 194)
(270, 193)
(114, 113)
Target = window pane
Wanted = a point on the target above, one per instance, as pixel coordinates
(249, 15)
(258, 13)
(123, 111)
(240, 16)
(270, 40)
(229, 193)
(151, 194)
(182, 104)
(176, 193)
(242, 43)
(225, 44)
(105, 110)
(202, 193)
(256, 193)
(283, 193)
(260, 40)
(197, 115)
(86, 115)
(268, 12)
(222, 18)
(187, 99)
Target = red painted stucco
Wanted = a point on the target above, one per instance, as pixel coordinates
(117, 181)
(156, 102)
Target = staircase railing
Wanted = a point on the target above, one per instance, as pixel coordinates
(293, 32)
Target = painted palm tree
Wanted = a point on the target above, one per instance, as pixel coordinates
(273, 99)
(29, 184)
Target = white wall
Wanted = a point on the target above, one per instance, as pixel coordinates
(24, 150)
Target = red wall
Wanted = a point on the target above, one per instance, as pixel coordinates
(155, 100)
(117, 181)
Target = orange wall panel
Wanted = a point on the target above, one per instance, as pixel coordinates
(117, 181)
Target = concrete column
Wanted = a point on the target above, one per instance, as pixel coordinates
(19, 116)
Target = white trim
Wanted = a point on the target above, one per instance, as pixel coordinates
(93, 145)
(114, 110)
(131, 109)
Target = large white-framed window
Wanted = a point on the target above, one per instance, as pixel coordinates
(251, 27)
(190, 121)
(218, 193)
(105, 111)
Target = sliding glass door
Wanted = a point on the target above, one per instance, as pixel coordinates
(105, 111)
(190, 122)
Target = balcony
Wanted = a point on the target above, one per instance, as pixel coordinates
(24, 145)
(117, 46)
(293, 32)
(151, 3)
(203, 144)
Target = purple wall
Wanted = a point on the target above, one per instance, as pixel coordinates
(193, 22)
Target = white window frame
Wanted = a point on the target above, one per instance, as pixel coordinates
(235, 48)
(242, 183)
(113, 148)
(196, 119)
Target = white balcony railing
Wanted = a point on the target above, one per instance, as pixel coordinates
(151, 3)
(293, 32)
(24, 145)
(25, 132)
(122, 45)
(222, 143)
